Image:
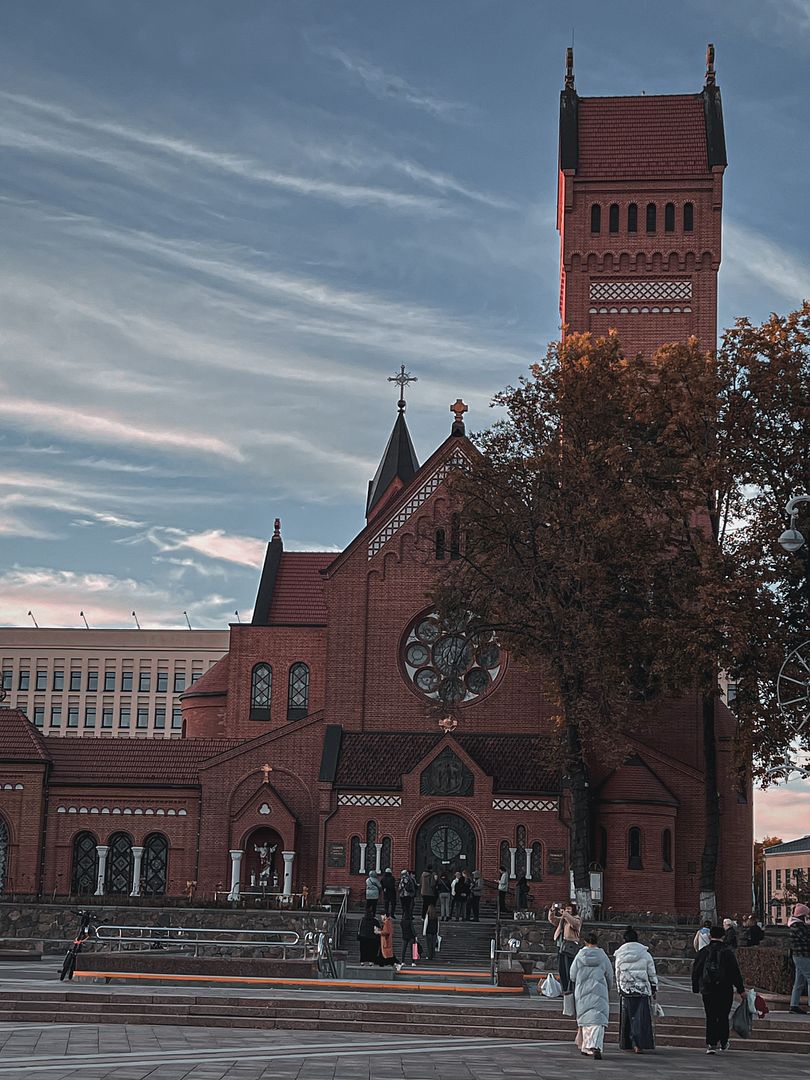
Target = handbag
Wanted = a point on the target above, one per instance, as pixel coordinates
(415, 950)
(658, 1010)
(568, 1005)
(438, 942)
(569, 948)
(550, 988)
(742, 1019)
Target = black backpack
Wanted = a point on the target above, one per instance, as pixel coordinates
(711, 978)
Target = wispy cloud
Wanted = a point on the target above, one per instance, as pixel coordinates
(753, 257)
(387, 85)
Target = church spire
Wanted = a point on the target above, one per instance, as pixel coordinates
(399, 462)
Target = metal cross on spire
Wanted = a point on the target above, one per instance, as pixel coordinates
(402, 378)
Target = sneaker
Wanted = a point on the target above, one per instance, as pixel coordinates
(597, 1054)
(798, 1009)
(724, 1046)
(711, 1050)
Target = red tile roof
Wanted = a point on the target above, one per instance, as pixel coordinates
(298, 596)
(169, 762)
(635, 782)
(637, 137)
(213, 682)
(19, 739)
(516, 763)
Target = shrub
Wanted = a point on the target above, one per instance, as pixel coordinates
(767, 969)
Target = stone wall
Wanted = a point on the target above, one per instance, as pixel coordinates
(56, 924)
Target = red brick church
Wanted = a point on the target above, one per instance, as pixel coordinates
(314, 750)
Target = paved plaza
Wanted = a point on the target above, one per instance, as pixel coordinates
(37, 1052)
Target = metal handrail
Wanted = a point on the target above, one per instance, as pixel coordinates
(340, 920)
(184, 937)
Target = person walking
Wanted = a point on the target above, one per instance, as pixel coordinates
(445, 895)
(385, 957)
(701, 938)
(407, 893)
(427, 888)
(430, 930)
(468, 885)
(476, 892)
(799, 929)
(503, 889)
(752, 934)
(591, 977)
(637, 983)
(373, 891)
(730, 934)
(567, 929)
(389, 891)
(408, 940)
(715, 976)
(368, 934)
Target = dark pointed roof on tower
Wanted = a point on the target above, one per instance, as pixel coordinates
(399, 462)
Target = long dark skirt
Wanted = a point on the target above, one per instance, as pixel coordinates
(635, 1022)
(369, 949)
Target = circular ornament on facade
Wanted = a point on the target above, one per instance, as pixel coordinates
(453, 664)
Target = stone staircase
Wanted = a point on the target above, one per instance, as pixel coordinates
(464, 944)
(320, 1012)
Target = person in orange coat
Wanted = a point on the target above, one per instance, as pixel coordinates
(386, 956)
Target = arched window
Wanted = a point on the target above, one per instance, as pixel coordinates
(596, 218)
(503, 855)
(688, 217)
(385, 857)
(455, 536)
(613, 218)
(261, 688)
(520, 854)
(298, 695)
(441, 544)
(354, 855)
(669, 217)
(651, 217)
(155, 865)
(537, 861)
(119, 865)
(84, 870)
(4, 855)
(371, 833)
(632, 218)
(634, 849)
(666, 849)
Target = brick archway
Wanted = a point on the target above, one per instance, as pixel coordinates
(447, 841)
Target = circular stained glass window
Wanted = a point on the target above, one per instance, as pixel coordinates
(453, 663)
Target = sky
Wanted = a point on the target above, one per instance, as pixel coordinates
(224, 225)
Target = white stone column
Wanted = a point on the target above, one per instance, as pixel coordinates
(528, 864)
(378, 858)
(363, 858)
(236, 873)
(137, 855)
(288, 871)
(512, 854)
(102, 850)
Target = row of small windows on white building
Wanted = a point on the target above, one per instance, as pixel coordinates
(95, 680)
(261, 691)
(687, 217)
(144, 718)
(798, 875)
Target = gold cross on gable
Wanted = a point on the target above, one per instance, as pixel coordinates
(266, 770)
(459, 408)
(402, 378)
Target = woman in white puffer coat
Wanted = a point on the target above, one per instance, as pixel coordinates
(637, 983)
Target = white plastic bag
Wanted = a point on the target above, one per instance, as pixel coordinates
(568, 1005)
(550, 988)
(438, 943)
(658, 1010)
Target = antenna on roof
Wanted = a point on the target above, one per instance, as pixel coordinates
(236, 613)
(85, 620)
(33, 620)
(188, 624)
(135, 617)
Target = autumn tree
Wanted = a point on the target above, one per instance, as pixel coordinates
(561, 555)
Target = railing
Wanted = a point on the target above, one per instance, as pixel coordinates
(340, 920)
(143, 938)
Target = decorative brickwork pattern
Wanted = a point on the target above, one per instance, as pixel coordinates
(457, 460)
(126, 810)
(525, 804)
(11, 787)
(369, 800)
(659, 291)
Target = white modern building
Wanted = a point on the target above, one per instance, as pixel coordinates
(104, 682)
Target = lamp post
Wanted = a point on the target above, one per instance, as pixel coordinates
(791, 539)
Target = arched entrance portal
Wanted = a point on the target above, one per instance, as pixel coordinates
(264, 867)
(445, 842)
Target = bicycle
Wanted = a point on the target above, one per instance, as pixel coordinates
(86, 929)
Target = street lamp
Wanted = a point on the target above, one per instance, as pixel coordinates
(791, 539)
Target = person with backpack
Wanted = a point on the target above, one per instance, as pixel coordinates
(373, 890)
(389, 891)
(715, 976)
(407, 893)
(427, 888)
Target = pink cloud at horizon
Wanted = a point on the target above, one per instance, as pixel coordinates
(783, 810)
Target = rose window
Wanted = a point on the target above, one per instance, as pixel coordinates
(453, 664)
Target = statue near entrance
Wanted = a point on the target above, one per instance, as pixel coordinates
(267, 858)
